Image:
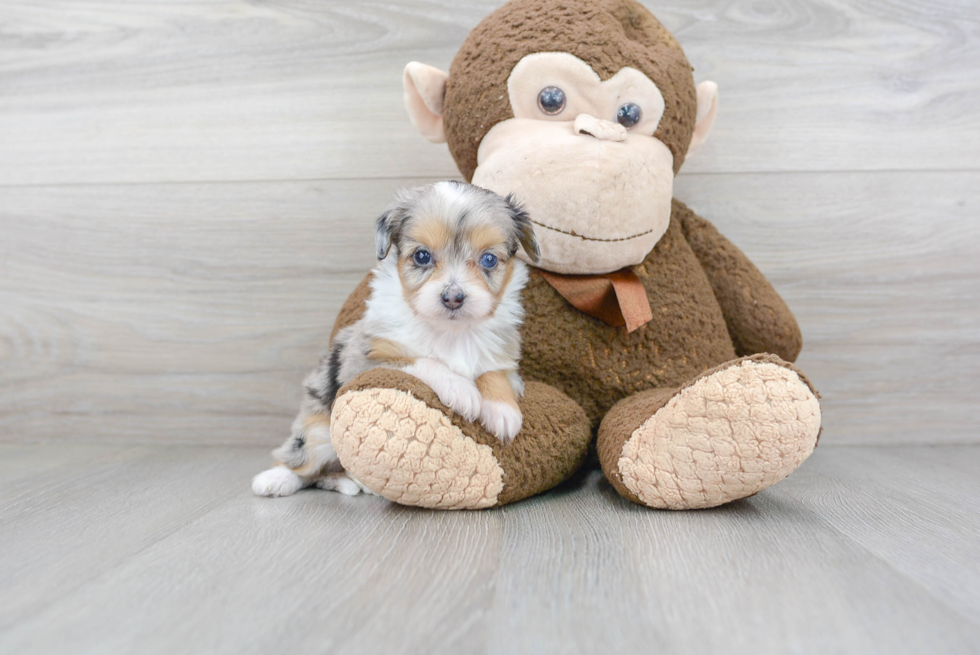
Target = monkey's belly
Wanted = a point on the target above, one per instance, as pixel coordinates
(597, 364)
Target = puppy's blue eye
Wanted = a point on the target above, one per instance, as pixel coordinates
(629, 115)
(489, 260)
(423, 258)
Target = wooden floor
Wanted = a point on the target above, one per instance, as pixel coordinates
(163, 549)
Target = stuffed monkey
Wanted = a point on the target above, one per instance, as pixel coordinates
(646, 329)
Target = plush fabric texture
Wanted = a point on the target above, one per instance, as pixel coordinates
(726, 435)
(599, 128)
(618, 426)
(381, 421)
(707, 93)
(411, 453)
(758, 319)
(609, 34)
(584, 222)
(425, 92)
(354, 307)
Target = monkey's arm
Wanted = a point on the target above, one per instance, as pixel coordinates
(758, 319)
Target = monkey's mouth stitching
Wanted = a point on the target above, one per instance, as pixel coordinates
(584, 238)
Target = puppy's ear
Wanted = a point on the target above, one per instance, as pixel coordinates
(393, 220)
(385, 228)
(523, 228)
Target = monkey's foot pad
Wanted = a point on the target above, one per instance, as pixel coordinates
(727, 436)
(410, 453)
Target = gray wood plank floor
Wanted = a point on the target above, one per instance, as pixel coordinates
(162, 549)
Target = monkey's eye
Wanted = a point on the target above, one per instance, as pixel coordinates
(629, 115)
(551, 100)
(489, 260)
(422, 257)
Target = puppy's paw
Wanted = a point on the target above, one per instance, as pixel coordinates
(339, 482)
(455, 391)
(502, 420)
(364, 488)
(462, 396)
(277, 481)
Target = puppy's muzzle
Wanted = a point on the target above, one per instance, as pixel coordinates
(453, 297)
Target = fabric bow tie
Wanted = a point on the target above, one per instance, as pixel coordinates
(616, 298)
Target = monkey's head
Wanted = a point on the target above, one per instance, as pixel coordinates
(583, 109)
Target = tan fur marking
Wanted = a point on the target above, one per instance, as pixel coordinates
(403, 265)
(432, 233)
(314, 420)
(498, 295)
(482, 237)
(494, 385)
(508, 273)
(408, 292)
(311, 468)
(385, 350)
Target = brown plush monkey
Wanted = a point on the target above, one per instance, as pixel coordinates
(645, 327)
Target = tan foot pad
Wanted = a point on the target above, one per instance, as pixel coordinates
(410, 453)
(727, 436)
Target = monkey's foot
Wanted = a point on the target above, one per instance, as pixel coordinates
(393, 434)
(411, 453)
(731, 433)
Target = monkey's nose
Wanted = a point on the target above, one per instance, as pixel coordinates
(600, 129)
(453, 298)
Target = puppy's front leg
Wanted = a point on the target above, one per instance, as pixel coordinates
(500, 414)
(455, 391)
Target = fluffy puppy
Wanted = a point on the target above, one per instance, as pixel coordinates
(444, 307)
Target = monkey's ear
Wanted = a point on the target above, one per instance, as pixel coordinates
(524, 229)
(707, 110)
(425, 90)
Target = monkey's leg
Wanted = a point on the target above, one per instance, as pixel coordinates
(394, 435)
(725, 435)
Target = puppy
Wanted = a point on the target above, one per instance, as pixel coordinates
(444, 307)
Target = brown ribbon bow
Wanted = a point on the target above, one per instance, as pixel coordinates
(616, 298)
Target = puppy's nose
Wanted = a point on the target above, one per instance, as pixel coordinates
(453, 297)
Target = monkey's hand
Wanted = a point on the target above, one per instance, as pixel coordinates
(455, 391)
